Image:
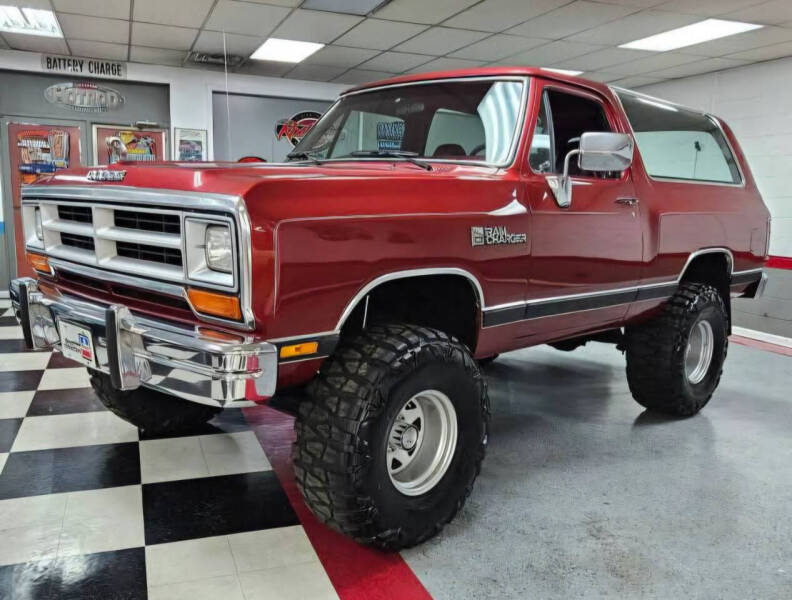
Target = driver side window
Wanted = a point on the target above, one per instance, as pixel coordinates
(563, 118)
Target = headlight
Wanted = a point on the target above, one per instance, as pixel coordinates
(39, 227)
(219, 252)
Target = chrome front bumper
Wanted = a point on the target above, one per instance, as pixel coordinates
(137, 351)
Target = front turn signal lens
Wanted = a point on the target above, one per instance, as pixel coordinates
(215, 304)
(299, 349)
(39, 263)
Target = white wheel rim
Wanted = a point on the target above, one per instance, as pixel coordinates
(699, 351)
(421, 442)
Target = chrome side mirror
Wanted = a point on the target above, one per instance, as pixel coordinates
(599, 151)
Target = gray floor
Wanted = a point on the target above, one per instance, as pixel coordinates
(583, 495)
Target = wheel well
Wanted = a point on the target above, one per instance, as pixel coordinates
(714, 269)
(445, 302)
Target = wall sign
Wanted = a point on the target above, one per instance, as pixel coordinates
(89, 67)
(190, 144)
(84, 97)
(294, 129)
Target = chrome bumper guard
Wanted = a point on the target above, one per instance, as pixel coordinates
(137, 351)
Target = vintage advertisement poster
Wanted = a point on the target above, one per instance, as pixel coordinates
(114, 144)
(190, 144)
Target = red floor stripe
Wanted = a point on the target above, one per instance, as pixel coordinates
(779, 262)
(767, 346)
(357, 572)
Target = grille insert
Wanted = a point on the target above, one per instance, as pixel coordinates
(145, 221)
(78, 241)
(80, 214)
(166, 256)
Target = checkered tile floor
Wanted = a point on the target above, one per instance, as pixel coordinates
(88, 509)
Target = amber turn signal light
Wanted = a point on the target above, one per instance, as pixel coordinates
(299, 349)
(39, 263)
(215, 304)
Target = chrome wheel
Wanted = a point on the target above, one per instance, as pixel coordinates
(421, 442)
(698, 354)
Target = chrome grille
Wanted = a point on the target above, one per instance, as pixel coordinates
(140, 240)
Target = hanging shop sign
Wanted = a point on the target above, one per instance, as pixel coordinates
(294, 129)
(88, 67)
(84, 97)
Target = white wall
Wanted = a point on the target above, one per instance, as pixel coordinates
(756, 101)
(191, 89)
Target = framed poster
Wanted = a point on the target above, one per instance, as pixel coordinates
(113, 143)
(189, 144)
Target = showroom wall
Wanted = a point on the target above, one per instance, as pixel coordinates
(755, 101)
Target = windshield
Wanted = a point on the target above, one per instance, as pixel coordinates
(453, 120)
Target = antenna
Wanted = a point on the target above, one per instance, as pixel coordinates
(228, 106)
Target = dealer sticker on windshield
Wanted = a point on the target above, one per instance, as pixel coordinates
(77, 343)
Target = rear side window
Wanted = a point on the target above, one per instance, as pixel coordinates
(676, 143)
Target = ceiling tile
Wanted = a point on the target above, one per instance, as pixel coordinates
(36, 43)
(708, 65)
(350, 7)
(708, 8)
(636, 3)
(635, 82)
(601, 76)
(498, 46)
(379, 34)
(440, 40)
(290, 3)
(447, 64)
(552, 53)
(775, 12)
(265, 68)
(162, 36)
(601, 59)
(497, 15)
(245, 17)
(422, 11)
(395, 62)
(570, 19)
(157, 56)
(99, 50)
(315, 72)
(633, 27)
(30, 4)
(356, 76)
(212, 42)
(742, 41)
(340, 56)
(765, 52)
(314, 26)
(112, 9)
(184, 13)
(662, 60)
(93, 28)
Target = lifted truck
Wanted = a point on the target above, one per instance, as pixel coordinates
(424, 224)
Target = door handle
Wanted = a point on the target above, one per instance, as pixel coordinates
(627, 201)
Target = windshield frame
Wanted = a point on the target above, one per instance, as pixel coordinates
(515, 142)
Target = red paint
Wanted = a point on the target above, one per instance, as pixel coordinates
(322, 232)
(759, 344)
(357, 572)
(779, 262)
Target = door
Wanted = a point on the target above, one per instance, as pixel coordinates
(34, 149)
(585, 258)
(113, 143)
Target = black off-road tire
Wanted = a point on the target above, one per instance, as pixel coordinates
(342, 434)
(656, 352)
(154, 413)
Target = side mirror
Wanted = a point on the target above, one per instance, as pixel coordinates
(599, 151)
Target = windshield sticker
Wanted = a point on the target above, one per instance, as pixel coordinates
(389, 135)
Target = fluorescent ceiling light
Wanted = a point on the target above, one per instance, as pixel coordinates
(562, 71)
(290, 51)
(703, 31)
(29, 21)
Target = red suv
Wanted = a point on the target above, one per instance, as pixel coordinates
(424, 225)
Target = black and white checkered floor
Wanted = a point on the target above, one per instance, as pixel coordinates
(88, 509)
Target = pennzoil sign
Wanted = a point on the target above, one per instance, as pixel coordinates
(84, 97)
(294, 129)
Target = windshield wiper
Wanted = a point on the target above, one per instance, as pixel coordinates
(400, 154)
(303, 156)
